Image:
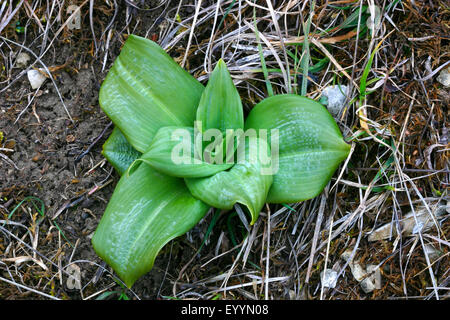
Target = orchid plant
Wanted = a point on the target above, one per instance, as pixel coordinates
(182, 148)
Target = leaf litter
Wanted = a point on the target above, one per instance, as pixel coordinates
(396, 178)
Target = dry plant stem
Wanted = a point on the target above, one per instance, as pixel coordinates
(354, 58)
(29, 289)
(433, 278)
(8, 160)
(277, 28)
(35, 251)
(207, 65)
(45, 51)
(272, 49)
(344, 166)
(197, 9)
(333, 60)
(9, 13)
(36, 19)
(316, 232)
(29, 103)
(91, 23)
(111, 285)
(326, 258)
(233, 266)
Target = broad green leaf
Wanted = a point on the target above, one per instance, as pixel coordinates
(311, 147)
(146, 90)
(119, 152)
(220, 105)
(247, 182)
(172, 152)
(146, 210)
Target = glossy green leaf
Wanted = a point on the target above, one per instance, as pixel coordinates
(173, 152)
(246, 182)
(146, 210)
(119, 152)
(220, 105)
(149, 98)
(146, 90)
(311, 146)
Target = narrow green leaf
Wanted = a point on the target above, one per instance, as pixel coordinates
(244, 183)
(367, 68)
(261, 57)
(146, 210)
(173, 152)
(106, 294)
(352, 19)
(306, 54)
(220, 106)
(119, 152)
(146, 90)
(311, 146)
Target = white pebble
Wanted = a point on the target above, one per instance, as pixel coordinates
(36, 78)
(444, 77)
(329, 278)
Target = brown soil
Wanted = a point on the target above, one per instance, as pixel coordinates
(57, 159)
(49, 161)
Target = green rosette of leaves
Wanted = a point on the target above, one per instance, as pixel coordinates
(182, 148)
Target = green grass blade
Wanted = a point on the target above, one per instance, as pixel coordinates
(304, 63)
(261, 57)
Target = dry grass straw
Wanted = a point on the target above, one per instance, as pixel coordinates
(398, 127)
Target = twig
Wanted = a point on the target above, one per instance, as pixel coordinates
(79, 157)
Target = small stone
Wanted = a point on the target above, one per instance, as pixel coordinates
(329, 278)
(70, 138)
(335, 96)
(74, 279)
(367, 285)
(22, 60)
(36, 78)
(369, 278)
(75, 21)
(432, 252)
(444, 77)
(375, 276)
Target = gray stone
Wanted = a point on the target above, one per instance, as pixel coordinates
(329, 278)
(335, 98)
(444, 77)
(22, 60)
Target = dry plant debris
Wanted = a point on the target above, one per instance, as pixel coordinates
(54, 182)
